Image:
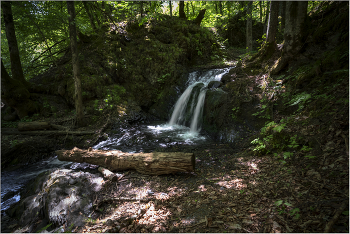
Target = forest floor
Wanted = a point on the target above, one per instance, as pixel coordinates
(229, 192)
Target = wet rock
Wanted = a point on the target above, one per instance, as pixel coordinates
(214, 84)
(215, 109)
(61, 197)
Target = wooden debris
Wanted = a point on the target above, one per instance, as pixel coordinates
(108, 174)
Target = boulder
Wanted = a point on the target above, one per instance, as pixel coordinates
(214, 84)
(215, 111)
(59, 196)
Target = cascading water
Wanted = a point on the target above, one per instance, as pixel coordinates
(178, 116)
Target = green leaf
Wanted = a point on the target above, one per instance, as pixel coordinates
(346, 212)
(278, 203)
(287, 204)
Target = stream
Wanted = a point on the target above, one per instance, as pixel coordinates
(132, 139)
(127, 138)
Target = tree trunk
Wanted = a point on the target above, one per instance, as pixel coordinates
(295, 17)
(171, 8)
(266, 18)
(249, 29)
(141, 8)
(296, 13)
(260, 8)
(182, 14)
(156, 163)
(282, 14)
(16, 67)
(220, 7)
(273, 22)
(16, 95)
(187, 8)
(192, 8)
(90, 16)
(199, 17)
(73, 42)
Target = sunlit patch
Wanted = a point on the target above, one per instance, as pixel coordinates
(202, 188)
(153, 215)
(232, 184)
(187, 221)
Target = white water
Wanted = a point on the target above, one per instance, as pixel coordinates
(198, 112)
(180, 106)
(178, 114)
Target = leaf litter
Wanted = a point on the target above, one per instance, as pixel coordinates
(237, 192)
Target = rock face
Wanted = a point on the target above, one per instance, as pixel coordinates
(214, 84)
(215, 111)
(60, 197)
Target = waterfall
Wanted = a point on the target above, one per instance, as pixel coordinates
(198, 112)
(179, 114)
(180, 107)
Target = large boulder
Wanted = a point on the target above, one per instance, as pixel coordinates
(215, 111)
(59, 196)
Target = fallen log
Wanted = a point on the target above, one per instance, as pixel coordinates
(155, 163)
(16, 132)
(31, 126)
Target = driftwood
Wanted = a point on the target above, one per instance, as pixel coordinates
(156, 163)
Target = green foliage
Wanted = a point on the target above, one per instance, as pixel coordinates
(163, 78)
(235, 112)
(264, 112)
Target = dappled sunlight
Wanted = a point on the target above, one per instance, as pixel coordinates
(234, 183)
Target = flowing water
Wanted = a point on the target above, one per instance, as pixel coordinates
(130, 138)
(179, 114)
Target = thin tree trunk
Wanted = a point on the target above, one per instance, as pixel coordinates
(273, 22)
(220, 7)
(266, 17)
(192, 8)
(90, 16)
(171, 8)
(260, 7)
(228, 6)
(249, 35)
(16, 66)
(182, 14)
(187, 8)
(141, 8)
(75, 61)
